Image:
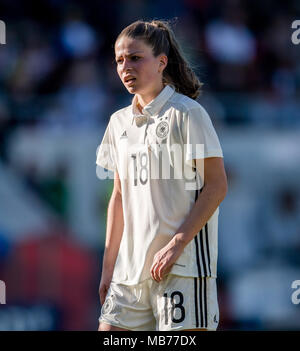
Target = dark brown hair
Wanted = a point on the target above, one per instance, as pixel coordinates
(159, 35)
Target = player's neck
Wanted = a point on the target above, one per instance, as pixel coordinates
(143, 100)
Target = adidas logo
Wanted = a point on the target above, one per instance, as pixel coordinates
(124, 135)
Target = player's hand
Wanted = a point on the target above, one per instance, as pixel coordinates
(164, 259)
(104, 286)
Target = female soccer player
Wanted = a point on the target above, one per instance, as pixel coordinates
(159, 265)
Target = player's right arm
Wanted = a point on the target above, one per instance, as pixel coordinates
(114, 231)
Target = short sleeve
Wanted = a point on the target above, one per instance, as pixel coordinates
(106, 155)
(200, 136)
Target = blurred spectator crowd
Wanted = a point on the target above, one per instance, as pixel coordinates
(57, 68)
(58, 76)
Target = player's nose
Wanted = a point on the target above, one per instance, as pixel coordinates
(127, 66)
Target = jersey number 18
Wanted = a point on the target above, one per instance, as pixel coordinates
(143, 170)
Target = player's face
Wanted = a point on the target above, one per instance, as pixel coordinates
(138, 69)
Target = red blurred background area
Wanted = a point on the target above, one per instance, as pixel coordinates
(54, 272)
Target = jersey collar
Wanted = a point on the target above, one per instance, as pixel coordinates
(154, 106)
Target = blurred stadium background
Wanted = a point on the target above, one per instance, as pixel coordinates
(58, 87)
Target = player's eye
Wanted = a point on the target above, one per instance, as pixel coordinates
(133, 58)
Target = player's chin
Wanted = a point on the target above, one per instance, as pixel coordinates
(132, 90)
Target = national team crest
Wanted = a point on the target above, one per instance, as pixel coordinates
(108, 305)
(162, 129)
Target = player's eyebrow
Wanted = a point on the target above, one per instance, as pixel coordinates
(130, 54)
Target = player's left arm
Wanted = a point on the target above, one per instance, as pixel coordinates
(213, 193)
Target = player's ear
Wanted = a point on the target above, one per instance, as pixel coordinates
(163, 61)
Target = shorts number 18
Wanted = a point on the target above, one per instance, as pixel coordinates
(178, 305)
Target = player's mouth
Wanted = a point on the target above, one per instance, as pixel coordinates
(129, 81)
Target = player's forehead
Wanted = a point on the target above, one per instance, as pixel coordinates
(126, 46)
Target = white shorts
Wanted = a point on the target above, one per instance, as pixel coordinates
(176, 303)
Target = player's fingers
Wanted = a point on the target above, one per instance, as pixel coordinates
(164, 269)
(152, 267)
(160, 272)
(156, 272)
(153, 271)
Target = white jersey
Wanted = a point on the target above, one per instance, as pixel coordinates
(153, 153)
